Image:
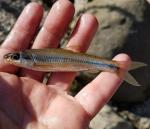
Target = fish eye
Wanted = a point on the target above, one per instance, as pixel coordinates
(16, 56)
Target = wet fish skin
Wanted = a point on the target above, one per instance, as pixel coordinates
(59, 60)
(54, 60)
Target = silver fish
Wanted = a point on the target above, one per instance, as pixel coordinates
(52, 60)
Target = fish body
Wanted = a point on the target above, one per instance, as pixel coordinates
(54, 60)
(60, 60)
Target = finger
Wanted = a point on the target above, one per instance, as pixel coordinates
(52, 31)
(98, 92)
(25, 28)
(80, 40)
(22, 33)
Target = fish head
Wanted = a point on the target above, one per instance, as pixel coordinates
(12, 58)
(18, 59)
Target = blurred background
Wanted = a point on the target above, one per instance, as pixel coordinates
(124, 28)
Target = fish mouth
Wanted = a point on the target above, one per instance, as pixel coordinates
(8, 58)
(8, 55)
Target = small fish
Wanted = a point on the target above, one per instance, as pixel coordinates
(52, 60)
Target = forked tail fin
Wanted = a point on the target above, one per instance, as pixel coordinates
(136, 65)
(129, 78)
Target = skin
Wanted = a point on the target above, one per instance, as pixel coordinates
(26, 103)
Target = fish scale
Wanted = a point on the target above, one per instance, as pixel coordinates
(69, 59)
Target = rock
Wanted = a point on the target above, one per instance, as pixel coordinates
(148, 1)
(144, 123)
(138, 115)
(108, 119)
(124, 28)
(142, 109)
(9, 12)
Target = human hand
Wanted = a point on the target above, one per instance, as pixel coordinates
(25, 102)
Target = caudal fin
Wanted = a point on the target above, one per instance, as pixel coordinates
(129, 78)
(136, 65)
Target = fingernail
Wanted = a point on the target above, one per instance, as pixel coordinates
(84, 19)
(58, 5)
(87, 19)
(31, 8)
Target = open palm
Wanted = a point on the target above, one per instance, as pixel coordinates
(25, 102)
